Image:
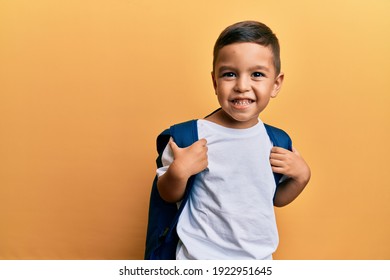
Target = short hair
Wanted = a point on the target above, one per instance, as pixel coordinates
(249, 32)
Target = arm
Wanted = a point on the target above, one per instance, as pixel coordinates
(186, 162)
(295, 168)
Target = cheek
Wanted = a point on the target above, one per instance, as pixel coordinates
(222, 98)
(219, 97)
(221, 93)
(222, 88)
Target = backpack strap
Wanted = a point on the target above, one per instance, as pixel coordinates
(184, 135)
(161, 239)
(279, 138)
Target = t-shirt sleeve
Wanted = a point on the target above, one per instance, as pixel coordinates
(166, 159)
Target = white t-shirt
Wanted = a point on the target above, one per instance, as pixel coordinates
(229, 213)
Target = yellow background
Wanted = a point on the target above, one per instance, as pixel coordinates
(86, 86)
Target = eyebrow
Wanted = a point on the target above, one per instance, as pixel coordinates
(260, 67)
(256, 67)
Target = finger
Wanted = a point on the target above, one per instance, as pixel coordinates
(279, 170)
(173, 146)
(278, 150)
(277, 163)
(277, 156)
(202, 141)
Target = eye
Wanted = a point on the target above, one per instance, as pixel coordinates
(228, 74)
(258, 75)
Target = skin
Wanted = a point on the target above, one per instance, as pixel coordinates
(187, 162)
(244, 81)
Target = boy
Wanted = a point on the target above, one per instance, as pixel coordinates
(229, 213)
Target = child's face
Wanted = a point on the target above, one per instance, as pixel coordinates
(244, 81)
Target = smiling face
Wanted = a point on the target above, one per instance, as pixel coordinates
(244, 81)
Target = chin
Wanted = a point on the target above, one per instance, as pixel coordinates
(243, 121)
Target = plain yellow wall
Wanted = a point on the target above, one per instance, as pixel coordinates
(86, 86)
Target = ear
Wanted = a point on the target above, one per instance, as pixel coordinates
(214, 81)
(277, 85)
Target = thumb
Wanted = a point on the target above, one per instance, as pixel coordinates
(295, 151)
(173, 146)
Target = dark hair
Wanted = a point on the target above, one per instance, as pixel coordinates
(249, 32)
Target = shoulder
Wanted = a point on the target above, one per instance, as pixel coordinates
(278, 136)
(183, 133)
(275, 130)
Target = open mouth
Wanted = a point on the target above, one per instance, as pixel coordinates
(242, 102)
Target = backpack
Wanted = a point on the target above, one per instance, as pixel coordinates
(162, 238)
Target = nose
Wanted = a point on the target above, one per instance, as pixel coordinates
(242, 84)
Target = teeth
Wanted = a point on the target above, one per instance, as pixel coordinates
(242, 101)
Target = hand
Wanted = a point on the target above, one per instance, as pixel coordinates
(191, 160)
(290, 164)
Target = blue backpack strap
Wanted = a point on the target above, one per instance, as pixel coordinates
(161, 239)
(185, 134)
(279, 138)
